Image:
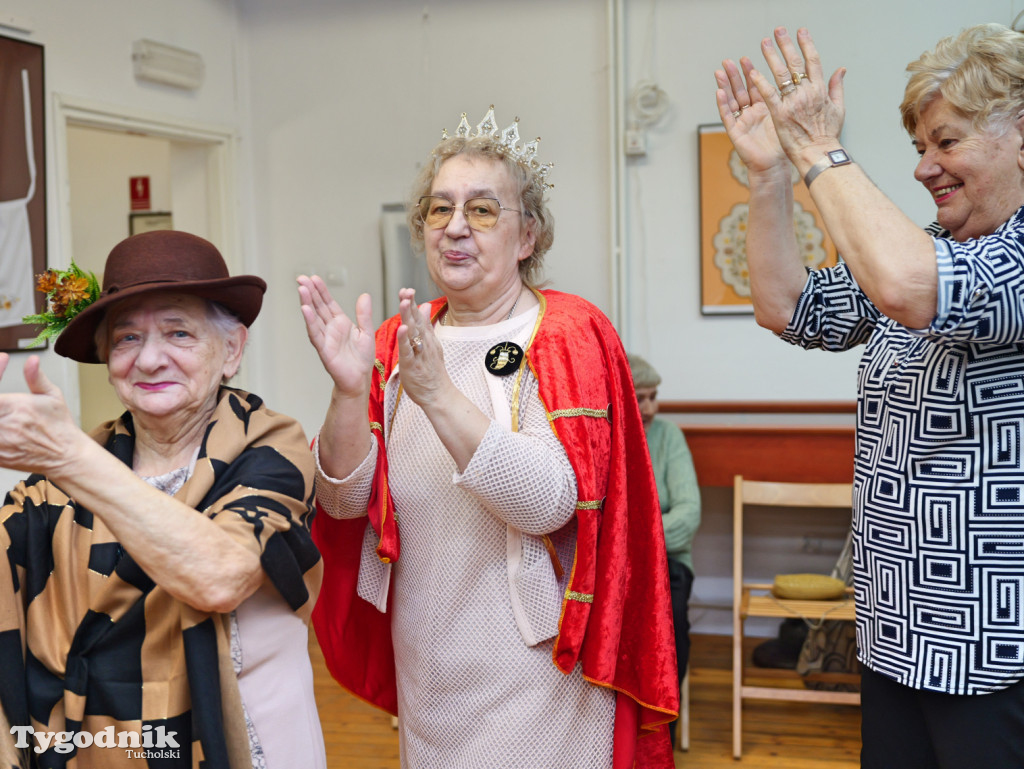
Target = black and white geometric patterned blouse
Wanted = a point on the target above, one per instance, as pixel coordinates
(939, 472)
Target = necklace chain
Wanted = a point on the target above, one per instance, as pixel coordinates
(444, 320)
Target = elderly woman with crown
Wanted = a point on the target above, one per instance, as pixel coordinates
(160, 572)
(495, 561)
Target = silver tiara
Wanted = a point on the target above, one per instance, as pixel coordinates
(508, 141)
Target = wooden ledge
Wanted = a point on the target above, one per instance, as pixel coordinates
(795, 454)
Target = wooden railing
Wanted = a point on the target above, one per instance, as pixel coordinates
(802, 453)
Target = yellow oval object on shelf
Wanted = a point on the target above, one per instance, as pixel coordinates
(808, 587)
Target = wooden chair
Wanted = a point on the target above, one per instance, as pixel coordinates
(752, 599)
(683, 735)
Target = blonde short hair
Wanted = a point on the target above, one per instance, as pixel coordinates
(980, 72)
(529, 186)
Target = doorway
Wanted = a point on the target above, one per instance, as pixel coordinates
(191, 170)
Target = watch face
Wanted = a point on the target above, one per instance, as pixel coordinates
(838, 156)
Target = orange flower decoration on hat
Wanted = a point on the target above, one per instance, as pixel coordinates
(47, 281)
(68, 292)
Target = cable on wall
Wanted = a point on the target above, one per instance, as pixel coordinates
(647, 104)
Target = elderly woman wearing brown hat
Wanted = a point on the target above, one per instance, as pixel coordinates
(159, 571)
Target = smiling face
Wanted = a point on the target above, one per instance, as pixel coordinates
(166, 357)
(470, 266)
(975, 177)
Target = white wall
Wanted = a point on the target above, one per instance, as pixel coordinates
(349, 97)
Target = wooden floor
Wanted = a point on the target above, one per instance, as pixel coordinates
(777, 735)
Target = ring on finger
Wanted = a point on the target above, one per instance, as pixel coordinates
(416, 344)
(737, 113)
(787, 90)
(785, 84)
(798, 77)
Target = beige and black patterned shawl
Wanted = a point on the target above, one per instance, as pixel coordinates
(88, 640)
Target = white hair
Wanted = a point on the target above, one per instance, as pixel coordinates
(221, 318)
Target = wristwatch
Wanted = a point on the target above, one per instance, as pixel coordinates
(833, 158)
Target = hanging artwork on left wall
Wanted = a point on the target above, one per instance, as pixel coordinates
(22, 189)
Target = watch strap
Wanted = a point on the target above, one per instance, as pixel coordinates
(833, 158)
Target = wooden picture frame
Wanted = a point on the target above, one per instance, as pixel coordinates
(22, 189)
(724, 207)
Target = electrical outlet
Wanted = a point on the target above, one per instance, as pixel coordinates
(636, 143)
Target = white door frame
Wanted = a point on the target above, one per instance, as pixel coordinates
(222, 175)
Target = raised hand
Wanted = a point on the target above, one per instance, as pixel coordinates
(420, 356)
(806, 110)
(37, 432)
(747, 120)
(346, 348)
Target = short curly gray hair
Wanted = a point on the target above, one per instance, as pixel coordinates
(530, 187)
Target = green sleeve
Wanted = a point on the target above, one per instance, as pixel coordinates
(678, 491)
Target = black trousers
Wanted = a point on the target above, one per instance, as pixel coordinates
(905, 728)
(680, 582)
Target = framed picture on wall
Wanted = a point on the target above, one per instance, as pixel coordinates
(724, 213)
(149, 221)
(22, 189)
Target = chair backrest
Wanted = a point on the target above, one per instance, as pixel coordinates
(777, 494)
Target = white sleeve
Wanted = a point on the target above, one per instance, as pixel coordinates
(348, 497)
(523, 478)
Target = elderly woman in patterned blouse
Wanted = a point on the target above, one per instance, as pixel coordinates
(938, 509)
(160, 572)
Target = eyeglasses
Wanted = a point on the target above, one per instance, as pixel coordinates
(481, 213)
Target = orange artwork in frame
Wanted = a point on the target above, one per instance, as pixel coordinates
(724, 209)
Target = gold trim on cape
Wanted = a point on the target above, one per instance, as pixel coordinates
(572, 595)
(579, 412)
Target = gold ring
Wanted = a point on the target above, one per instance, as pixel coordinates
(785, 84)
(798, 76)
(787, 90)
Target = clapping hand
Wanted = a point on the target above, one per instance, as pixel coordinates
(766, 124)
(420, 356)
(747, 120)
(346, 348)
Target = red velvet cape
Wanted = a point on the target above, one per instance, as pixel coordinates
(616, 616)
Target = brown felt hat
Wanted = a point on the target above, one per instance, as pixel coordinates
(164, 260)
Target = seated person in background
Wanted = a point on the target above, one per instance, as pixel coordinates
(679, 496)
(158, 574)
